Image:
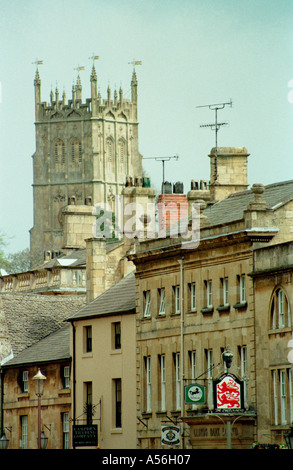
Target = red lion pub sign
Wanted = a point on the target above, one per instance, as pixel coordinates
(228, 394)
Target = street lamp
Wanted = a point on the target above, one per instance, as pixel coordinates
(44, 440)
(227, 357)
(4, 442)
(289, 438)
(39, 379)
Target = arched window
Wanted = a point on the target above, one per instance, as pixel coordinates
(59, 151)
(110, 154)
(280, 310)
(76, 151)
(122, 154)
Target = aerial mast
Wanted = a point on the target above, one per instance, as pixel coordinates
(216, 126)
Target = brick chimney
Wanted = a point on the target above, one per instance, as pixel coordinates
(172, 205)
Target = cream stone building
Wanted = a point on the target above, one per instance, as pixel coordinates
(103, 350)
(197, 299)
(272, 277)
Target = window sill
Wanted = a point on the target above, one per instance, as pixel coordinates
(160, 315)
(161, 413)
(116, 431)
(116, 351)
(23, 396)
(64, 391)
(190, 312)
(240, 305)
(87, 355)
(147, 414)
(223, 308)
(276, 331)
(207, 310)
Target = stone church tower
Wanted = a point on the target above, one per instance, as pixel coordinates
(85, 152)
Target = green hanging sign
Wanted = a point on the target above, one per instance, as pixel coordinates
(195, 393)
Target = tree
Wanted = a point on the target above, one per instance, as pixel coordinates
(4, 264)
(19, 262)
(14, 262)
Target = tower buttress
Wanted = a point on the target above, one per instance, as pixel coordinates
(134, 93)
(73, 95)
(37, 84)
(57, 97)
(94, 82)
(121, 97)
(109, 95)
(78, 89)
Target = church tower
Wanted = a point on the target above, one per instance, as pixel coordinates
(85, 153)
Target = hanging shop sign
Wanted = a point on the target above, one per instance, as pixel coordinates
(84, 435)
(170, 435)
(228, 393)
(195, 393)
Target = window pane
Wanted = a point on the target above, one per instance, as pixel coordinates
(162, 302)
(192, 297)
(118, 403)
(147, 309)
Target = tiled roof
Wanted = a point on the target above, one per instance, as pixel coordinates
(54, 347)
(231, 208)
(118, 299)
(27, 318)
(76, 258)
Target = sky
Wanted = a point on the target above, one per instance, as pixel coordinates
(193, 53)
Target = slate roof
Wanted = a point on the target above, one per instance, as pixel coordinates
(54, 347)
(231, 208)
(76, 257)
(27, 318)
(120, 298)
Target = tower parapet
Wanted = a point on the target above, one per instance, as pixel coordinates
(91, 107)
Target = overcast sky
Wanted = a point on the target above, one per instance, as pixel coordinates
(193, 53)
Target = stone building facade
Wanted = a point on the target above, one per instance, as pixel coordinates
(103, 350)
(194, 300)
(272, 278)
(85, 151)
(19, 403)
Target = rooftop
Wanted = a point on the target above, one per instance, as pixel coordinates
(232, 208)
(120, 298)
(54, 347)
(27, 318)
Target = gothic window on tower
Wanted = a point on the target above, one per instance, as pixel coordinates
(110, 158)
(76, 152)
(122, 154)
(59, 153)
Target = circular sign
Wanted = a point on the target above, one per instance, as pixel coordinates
(194, 393)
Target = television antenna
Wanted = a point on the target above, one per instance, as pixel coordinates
(216, 126)
(163, 160)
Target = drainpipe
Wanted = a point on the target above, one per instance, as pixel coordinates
(2, 401)
(182, 342)
(73, 373)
